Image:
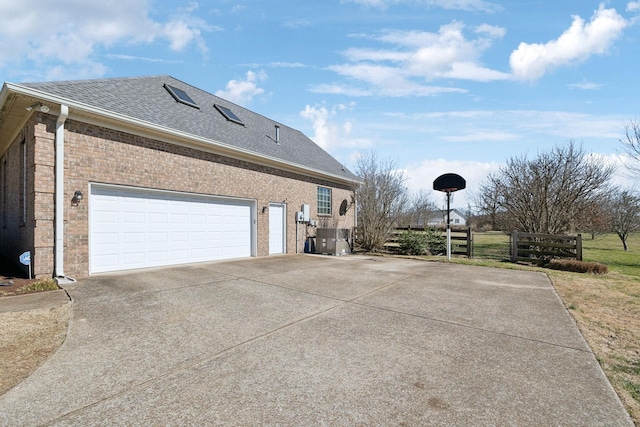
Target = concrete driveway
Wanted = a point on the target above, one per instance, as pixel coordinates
(313, 340)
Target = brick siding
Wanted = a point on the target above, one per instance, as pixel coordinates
(95, 154)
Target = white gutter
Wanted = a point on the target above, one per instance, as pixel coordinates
(225, 149)
(59, 206)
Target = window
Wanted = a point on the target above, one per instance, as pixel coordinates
(324, 201)
(181, 96)
(228, 114)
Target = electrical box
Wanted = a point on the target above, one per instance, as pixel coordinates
(305, 213)
(300, 216)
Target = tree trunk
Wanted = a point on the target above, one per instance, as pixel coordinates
(623, 237)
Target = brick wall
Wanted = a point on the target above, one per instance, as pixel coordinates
(17, 200)
(95, 154)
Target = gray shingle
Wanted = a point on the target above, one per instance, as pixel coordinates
(145, 98)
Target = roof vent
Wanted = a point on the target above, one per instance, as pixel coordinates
(277, 134)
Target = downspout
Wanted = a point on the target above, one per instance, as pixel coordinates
(59, 204)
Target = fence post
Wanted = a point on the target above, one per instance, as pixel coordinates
(514, 246)
(579, 247)
(469, 243)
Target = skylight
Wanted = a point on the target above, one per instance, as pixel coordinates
(228, 114)
(181, 96)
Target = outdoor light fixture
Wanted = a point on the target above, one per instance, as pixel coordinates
(77, 197)
(264, 209)
(38, 106)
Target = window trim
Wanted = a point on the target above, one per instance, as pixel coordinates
(325, 204)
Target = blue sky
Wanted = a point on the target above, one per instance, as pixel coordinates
(435, 85)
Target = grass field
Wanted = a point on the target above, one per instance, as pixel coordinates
(606, 307)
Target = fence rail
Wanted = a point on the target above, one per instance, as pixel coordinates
(461, 239)
(528, 246)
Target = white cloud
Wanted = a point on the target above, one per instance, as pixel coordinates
(337, 89)
(491, 30)
(421, 176)
(330, 131)
(480, 5)
(297, 23)
(622, 177)
(181, 33)
(280, 64)
(242, 92)
(577, 44)
(416, 57)
(585, 86)
(633, 6)
(480, 135)
(70, 35)
(567, 125)
(123, 57)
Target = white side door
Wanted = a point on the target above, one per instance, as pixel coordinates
(277, 233)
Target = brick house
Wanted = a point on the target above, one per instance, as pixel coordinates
(116, 174)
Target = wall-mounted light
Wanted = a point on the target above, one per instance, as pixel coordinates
(77, 197)
(39, 107)
(264, 209)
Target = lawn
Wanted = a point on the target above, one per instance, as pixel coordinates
(606, 307)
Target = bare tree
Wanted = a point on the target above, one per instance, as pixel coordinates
(418, 209)
(631, 146)
(549, 193)
(487, 200)
(594, 219)
(624, 215)
(381, 199)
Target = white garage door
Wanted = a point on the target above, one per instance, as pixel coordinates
(132, 228)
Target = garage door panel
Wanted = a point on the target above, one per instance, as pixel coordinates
(142, 228)
(107, 217)
(159, 257)
(198, 219)
(158, 218)
(180, 255)
(179, 218)
(106, 238)
(158, 237)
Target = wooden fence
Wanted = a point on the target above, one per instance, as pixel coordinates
(529, 246)
(461, 239)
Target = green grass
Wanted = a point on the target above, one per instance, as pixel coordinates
(40, 285)
(608, 250)
(493, 245)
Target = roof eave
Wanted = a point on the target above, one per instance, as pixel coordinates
(185, 137)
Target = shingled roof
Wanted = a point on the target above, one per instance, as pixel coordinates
(147, 100)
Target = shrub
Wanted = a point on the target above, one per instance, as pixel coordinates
(413, 243)
(577, 266)
(436, 242)
(421, 243)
